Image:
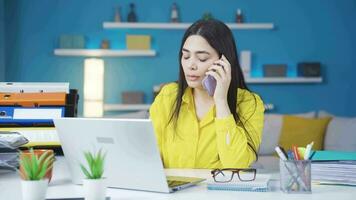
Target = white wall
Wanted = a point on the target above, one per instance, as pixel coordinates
(2, 41)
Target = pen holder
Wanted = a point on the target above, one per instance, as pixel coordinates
(295, 176)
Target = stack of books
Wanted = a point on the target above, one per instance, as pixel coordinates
(29, 109)
(260, 184)
(334, 167)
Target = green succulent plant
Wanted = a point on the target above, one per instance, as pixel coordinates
(95, 163)
(36, 167)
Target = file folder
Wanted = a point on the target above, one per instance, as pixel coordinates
(334, 168)
(33, 87)
(33, 99)
(22, 116)
(37, 136)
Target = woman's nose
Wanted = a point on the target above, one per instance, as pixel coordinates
(192, 65)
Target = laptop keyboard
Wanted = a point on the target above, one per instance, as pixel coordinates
(172, 183)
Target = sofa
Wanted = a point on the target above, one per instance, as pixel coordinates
(335, 133)
(339, 134)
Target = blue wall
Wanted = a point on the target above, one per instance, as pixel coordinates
(307, 30)
(2, 41)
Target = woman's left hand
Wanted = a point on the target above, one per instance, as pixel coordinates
(221, 71)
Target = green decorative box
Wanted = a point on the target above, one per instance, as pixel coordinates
(71, 42)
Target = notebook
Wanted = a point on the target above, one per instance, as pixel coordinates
(260, 184)
(333, 155)
(334, 167)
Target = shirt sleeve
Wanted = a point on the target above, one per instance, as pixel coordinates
(233, 138)
(156, 114)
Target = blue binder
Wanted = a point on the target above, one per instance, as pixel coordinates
(29, 116)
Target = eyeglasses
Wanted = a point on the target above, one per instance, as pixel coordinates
(226, 175)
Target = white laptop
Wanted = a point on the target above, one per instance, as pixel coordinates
(132, 161)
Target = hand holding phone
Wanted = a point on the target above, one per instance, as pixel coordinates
(209, 83)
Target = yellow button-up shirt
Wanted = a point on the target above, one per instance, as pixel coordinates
(210, 142)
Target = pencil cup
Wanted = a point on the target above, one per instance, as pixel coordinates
(295, 176)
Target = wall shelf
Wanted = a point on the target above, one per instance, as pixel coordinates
(136, 107)
(126, 107)
(264, 80)
(103, 52)
(124, 25)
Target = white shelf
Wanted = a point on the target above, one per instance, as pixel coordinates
(135, 107)
(124, 25)
(103, 52)
(126, 107)
(284, 80)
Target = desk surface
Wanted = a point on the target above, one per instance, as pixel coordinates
(61, 186)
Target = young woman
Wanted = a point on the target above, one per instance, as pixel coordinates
(195, 130)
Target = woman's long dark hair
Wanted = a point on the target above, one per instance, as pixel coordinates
(220, 37)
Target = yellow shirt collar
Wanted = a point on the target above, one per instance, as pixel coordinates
(188, 99)
(188, 95)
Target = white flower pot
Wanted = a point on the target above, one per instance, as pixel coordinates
(94, 189)
(34, 190)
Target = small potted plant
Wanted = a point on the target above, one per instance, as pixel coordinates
(33, 170)
(94, 183)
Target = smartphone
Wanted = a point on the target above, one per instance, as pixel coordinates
(209, 84)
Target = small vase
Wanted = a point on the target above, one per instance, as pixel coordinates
(94, 189)
(34, 190)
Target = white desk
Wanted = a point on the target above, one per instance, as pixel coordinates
(61, 186)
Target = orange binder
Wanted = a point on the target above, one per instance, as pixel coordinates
(33, 99)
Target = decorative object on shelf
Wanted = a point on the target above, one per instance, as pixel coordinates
(93, 87)
(239, 17)
(94, 183)
(174, 13)
(117, 17)
(132, 97)
(309, 69)
(105, 44)
(33, 171)
(207, 16)
(71, 42)
(275, 70)
(245, 62)
(141, 42)
(269, 106)
(65, 42)
(78, 42)
(131, 17)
